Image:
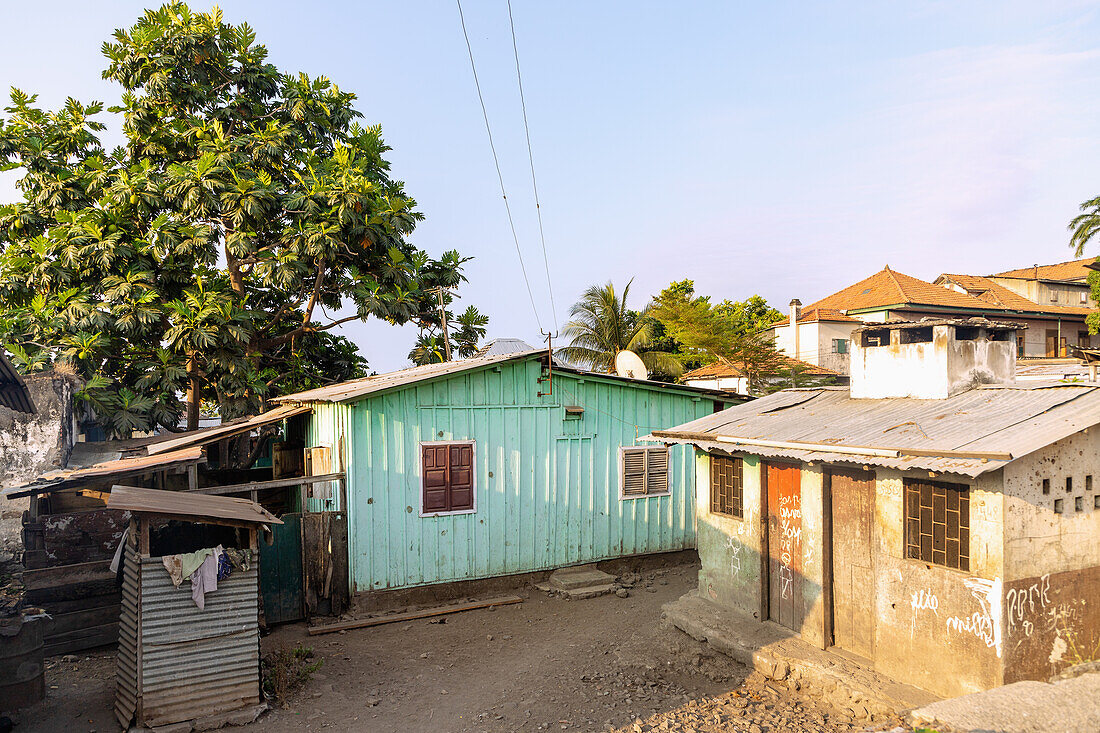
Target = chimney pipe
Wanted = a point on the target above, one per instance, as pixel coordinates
(796, 308)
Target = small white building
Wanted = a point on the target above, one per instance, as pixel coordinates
(937, 519)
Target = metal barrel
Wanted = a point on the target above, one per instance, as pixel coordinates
(23, 680)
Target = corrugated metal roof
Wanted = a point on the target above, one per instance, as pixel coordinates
(226, 430)
(993, 419)
(355, 389)
(186, 503)
(13, 390)
(499, 347)
(107, 469)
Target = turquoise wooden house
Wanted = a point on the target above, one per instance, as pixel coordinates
(500, 464)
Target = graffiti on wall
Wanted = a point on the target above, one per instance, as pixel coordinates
(925, 600)
(985, 623)
(790, 540)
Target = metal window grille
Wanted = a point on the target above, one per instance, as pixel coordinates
(726, 486)
(937, 523)
(645, 471)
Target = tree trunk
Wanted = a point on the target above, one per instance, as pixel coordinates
(194, 396)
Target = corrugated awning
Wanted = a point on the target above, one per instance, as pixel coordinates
(227, 430)
(106, 470)
(187, 504)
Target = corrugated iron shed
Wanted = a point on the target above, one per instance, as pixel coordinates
(969, 434)
(108, 469)
(179, 503)
(177, 663)
(13, 390)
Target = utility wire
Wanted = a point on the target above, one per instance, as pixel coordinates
(531, 158)
(496, 162)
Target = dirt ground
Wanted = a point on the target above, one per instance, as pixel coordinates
(544, 664)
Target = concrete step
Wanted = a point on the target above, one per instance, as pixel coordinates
(780, 654)
(582, 576)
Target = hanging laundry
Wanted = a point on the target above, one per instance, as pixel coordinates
(224, 566)
(205, 579)
(181, 567)
(241, 559)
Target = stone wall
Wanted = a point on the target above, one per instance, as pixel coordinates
(31, 445)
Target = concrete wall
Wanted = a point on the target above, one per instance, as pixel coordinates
(815, 343)
(933, 369)
(935, 627)
(729, 548)
(33, 444)
(1052, 558)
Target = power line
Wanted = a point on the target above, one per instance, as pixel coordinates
(531, 158)
(496, 162)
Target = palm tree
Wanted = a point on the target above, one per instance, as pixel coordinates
(602, 325)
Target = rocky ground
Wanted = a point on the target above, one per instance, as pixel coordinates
(544, 664)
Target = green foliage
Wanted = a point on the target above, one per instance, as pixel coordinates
(465, 332)
(602, 325)
(729, 331)
(209, 252)
(1084, 227)
(285, 669)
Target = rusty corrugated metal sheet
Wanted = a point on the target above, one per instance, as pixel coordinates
(1013, 419)
(126, 693)
(191, 663)
(226, 430)
(120, 468)
(188, 504)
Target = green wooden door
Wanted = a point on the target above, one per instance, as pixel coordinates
(281, 572)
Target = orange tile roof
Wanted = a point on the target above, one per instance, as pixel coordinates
(726, 370)
(1072, 270)
(998, 295)
(887, 287)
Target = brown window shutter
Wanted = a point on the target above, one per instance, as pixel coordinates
(436, 485)
(634, 471)
(656, 471)
(462, 477)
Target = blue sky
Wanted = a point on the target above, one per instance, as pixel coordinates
(785, 149)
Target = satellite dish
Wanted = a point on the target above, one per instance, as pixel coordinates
(628, 364)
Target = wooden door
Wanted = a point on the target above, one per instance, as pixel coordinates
(785, 604)
(281, 572)
(853, 512)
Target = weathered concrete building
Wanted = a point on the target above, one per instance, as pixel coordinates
(32, 443)
(938, 519)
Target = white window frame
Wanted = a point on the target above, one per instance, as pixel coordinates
(473, 477)
(622, 471)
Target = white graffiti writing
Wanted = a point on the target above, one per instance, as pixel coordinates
(786, 581)
(735, 548)
(1024, 602)
(790, 536)
(984, 624)
(925, 600)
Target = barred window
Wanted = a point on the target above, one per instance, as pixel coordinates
(725, 486)
(937, 523)
(644, 472)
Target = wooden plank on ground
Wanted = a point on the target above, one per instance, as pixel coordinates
(411, 615)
